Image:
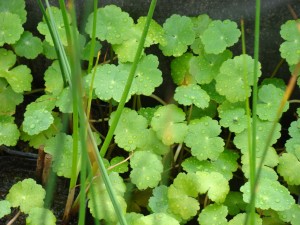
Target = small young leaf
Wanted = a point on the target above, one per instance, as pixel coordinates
(131, 131)
(269, 100)
(231, 82)
(291, 47)
(61, 149)
(26, 194)
(115, 24)
(10, 32)
(270, 194)
(288, 168)
(200, 24)
(36, 215)
(169, 125)
(146, 169)
(219, 35)
(202, 138)
(147, 112)
(214, 184)
(179, 34)
(213, 215)
(233, 116)
(28, 46)
(156, 219)
(180, 67)
(212, 92)
(87, 48)
(4, 208)
(192, 94)
(181, 204)
(206, 67)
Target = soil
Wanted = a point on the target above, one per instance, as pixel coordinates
(17, 168)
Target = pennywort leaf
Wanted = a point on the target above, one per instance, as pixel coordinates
(26, 194)
(219, 35)
(231, 82)
(146, 169)
(179, 34)
(214, 184)
(270, 194)
(37, 214)
(131, 131)
(288, 168)
(156, 219)
(290, 48)
(9, 132)
(192, 94)
(10, 32)
(169, 124)
(213, 215)
(4, 208)
(241, 217)
(202, 138)
(114, 23)
(28, 46)
(15, 7)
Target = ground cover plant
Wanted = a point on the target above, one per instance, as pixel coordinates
(187, 160)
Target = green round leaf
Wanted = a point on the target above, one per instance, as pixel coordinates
(269, 100)
(10, 32)
(60, 26)
(290, 48)
(241, 217)
(213, 215)
(291, 215)
(231, 82)
(36, 121)
(64, 101)
(131, 131)
(179, 34)
(147, 76)
(206, 67)
(270, 194)
(146, 169)
(180, 70)
(219, 35)
(214, 184)
(234, 202)
(233, 116)
(28, 46)
(9, 133)
(61, 149)
(8, 98)
(288, 168)
(156, 219)
(192, 94)
(207, 145)
(4, 208)
(114, 24)
(36, 215)
(16, 7)
(181, 204)
(169, 125)
(26, 194)
(53, 79)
